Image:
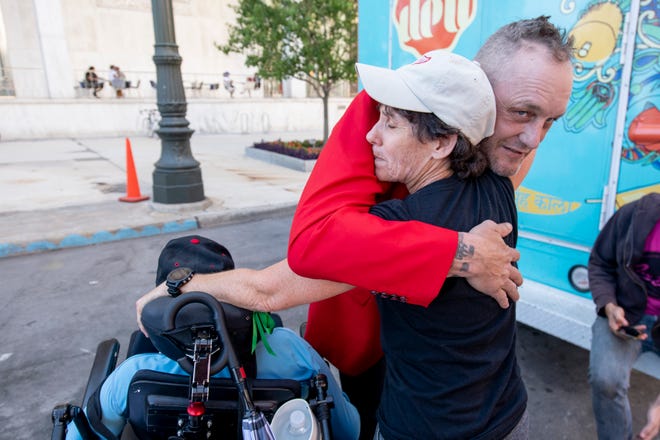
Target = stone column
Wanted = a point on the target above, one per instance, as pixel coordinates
(54, 51)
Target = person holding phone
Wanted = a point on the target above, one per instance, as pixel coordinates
(624, 277)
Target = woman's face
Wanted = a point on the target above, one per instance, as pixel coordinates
(399, 156)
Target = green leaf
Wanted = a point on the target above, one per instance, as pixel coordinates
(262, 325)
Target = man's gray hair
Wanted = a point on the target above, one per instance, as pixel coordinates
(505, 42)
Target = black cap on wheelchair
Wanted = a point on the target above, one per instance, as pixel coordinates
(203, 255)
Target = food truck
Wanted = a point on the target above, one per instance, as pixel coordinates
(603, 153)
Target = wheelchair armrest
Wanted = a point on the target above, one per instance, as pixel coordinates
(104, 363)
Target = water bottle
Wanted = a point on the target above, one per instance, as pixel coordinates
(298, 423)
(295, 421)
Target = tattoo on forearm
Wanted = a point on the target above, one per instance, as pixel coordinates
(464, 251)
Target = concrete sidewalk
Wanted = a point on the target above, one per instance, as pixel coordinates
(65, 192)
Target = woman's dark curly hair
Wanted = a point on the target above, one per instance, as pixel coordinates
(467, 161)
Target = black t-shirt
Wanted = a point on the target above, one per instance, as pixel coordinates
(451, 367)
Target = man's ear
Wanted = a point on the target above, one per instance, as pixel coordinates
(444, 146)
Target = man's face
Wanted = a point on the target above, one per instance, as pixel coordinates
(531, 94)
(399, 156)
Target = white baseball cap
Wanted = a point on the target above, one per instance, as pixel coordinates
(448, 85)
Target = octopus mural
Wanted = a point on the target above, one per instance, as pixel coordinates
(597, 73)
(598, 35)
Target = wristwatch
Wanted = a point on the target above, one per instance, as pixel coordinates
(177, 278)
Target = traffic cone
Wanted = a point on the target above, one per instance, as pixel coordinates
(132, 185)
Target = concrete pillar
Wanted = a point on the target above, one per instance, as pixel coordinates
(36, 54)
(22, 57)
(294, 88)
(54, 51)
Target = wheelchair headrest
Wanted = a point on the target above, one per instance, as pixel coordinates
(177, 342)
(202, 255)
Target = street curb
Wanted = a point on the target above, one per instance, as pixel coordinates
(79, 240)
(207, 220)
(204, 220)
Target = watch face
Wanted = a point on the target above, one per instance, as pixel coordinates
(179, 273)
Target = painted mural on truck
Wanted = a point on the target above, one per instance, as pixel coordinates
(609, 136)
(599, 35)
(641, 150)
(425, 26)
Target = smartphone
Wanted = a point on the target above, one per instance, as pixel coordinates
(629, 331)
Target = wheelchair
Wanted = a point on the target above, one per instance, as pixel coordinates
(197, 405)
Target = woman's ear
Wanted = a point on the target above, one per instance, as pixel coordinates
(444, 146)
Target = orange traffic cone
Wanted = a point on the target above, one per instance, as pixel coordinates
(132, 185)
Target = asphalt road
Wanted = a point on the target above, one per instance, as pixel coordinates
(57, 306)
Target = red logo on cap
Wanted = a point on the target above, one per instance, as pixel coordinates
(425, 25)
(422, 59)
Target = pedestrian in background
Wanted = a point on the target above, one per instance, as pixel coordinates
(92, 81)
(117, 80)
(228, 84)
(624, 277)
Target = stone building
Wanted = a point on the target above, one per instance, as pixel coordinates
(46, 46)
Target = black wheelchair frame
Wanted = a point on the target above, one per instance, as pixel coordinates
(176, 407)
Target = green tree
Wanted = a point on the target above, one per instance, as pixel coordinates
(311, 40)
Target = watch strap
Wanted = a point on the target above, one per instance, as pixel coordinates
(174, 287)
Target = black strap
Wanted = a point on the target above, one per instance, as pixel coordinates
(80, 420)
(95, 416)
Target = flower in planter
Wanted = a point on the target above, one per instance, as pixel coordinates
(308, 149)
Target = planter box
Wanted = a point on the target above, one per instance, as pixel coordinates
(283, 160)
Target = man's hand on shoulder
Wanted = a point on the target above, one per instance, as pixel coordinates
(485, 260)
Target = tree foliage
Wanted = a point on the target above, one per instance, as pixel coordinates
(311, 40)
